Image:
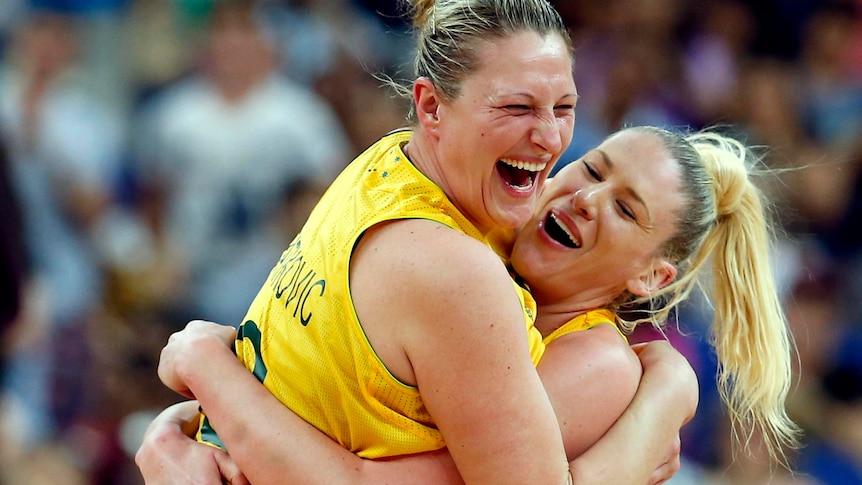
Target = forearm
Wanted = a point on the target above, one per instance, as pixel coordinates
(271, 444)
(633, 438)
(595, 366)
(666, 399)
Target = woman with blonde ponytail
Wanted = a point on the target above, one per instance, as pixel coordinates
(720, 241)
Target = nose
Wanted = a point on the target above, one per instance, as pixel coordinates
(585, 201)
(546, 134)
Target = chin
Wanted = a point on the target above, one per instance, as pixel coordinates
(514, 218)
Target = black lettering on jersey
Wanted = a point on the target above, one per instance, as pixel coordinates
(304, 317)
(295, 280)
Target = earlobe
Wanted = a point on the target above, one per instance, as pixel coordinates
(660, 274)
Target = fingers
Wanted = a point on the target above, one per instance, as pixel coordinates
(230, 471)
(225, 333)
(669, 468)
(237, 480)
(665, 472)
(185, 351)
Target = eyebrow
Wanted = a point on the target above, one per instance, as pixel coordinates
(574, 95)
(631, 191)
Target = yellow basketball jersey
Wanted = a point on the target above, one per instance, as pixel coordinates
(301, 336)
(585, 321)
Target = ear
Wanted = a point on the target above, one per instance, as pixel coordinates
(427, 103)
(660, 274)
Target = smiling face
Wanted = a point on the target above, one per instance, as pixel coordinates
(498, 140)
(601, 222)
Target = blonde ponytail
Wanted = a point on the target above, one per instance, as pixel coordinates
(725, 228)
(749, 330)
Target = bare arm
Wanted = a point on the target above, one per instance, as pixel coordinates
(462, 329)
(666, 399)
(198, 355)
(591, 377)
(337, 465)
(596, 384)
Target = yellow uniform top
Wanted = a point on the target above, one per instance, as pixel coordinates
(585, 321)
(301, 336)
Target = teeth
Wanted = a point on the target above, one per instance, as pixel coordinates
(566, 230)
(531, 167)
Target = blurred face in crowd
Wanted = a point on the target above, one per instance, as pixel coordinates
(239, 52)
(47, 45)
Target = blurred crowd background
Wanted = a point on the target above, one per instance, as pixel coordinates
(157, 155)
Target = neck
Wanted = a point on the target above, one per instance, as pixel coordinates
(550, 318)
(420, 150)
(554, 314)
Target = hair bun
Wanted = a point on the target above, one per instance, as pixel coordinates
(725, 160)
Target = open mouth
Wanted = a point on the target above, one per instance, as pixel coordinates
(560, 233)
(518, 174)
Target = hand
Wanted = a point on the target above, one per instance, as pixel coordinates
(669, 468)
(662, 362)
(168, 456)
(189, 348)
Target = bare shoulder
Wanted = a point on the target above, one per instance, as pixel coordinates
(418, 286)
(601, 345)
(415, 256)
(419, 240)
(591, 377)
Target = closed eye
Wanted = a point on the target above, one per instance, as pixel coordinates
(626, 210)
(564, 109)
(518, 108)
(593, 173)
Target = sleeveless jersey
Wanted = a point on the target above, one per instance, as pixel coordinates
(585, 321)
(301, 336)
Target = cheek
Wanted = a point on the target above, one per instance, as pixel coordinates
(471, 143)
(566, 131)
(509, 131)
(625, 248)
